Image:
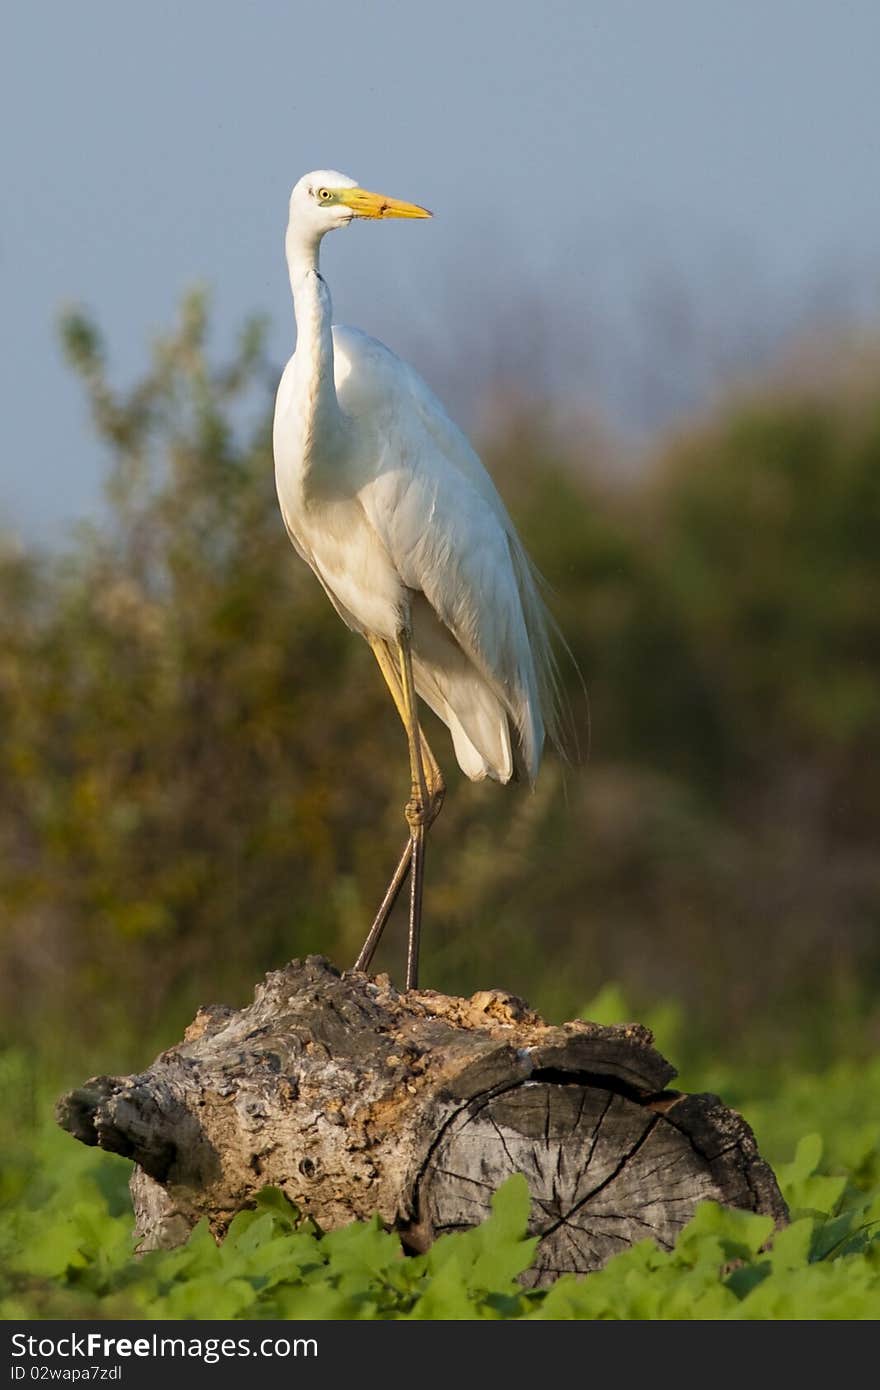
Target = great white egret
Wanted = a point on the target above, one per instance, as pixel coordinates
(386, 500)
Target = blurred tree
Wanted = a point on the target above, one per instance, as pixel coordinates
(200, 775)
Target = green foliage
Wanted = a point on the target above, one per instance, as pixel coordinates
(729, 1264)
(65, 1251)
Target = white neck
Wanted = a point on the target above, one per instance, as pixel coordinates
(313, 359)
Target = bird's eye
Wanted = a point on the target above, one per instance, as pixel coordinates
(324, 195)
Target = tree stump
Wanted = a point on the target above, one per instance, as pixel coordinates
(354, 1099)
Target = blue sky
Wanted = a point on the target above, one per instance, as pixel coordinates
(573, 153)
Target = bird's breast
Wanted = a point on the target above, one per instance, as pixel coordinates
(331, 532)
(353, 565)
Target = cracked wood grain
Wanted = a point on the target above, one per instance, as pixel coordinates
(354, 1099)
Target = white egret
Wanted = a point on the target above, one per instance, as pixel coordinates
(383, 496)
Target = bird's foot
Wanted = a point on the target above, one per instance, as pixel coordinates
(421, 812)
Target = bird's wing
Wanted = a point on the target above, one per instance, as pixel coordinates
(373, 382)
(437, 512)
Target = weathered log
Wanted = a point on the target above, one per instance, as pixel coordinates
(355, 1099)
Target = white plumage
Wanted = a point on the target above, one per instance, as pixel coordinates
(385, 499)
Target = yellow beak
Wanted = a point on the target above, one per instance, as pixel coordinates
(364, 204)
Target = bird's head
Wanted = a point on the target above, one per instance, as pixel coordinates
(326, 199)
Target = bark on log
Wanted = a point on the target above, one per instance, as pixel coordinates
(355, 1099)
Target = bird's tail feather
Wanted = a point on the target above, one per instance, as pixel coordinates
(543, 631)
(458, 694)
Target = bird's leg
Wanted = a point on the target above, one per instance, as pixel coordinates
(368, 950)
(436, 786)
(436, 790)
(416, 808)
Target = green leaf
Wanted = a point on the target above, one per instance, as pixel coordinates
(446, 1297)
(274, 1201)
(791, 1246)
(743, 1280)
(511, 1205)
(363, 1247)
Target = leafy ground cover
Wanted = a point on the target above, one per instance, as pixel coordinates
(65, 1235)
